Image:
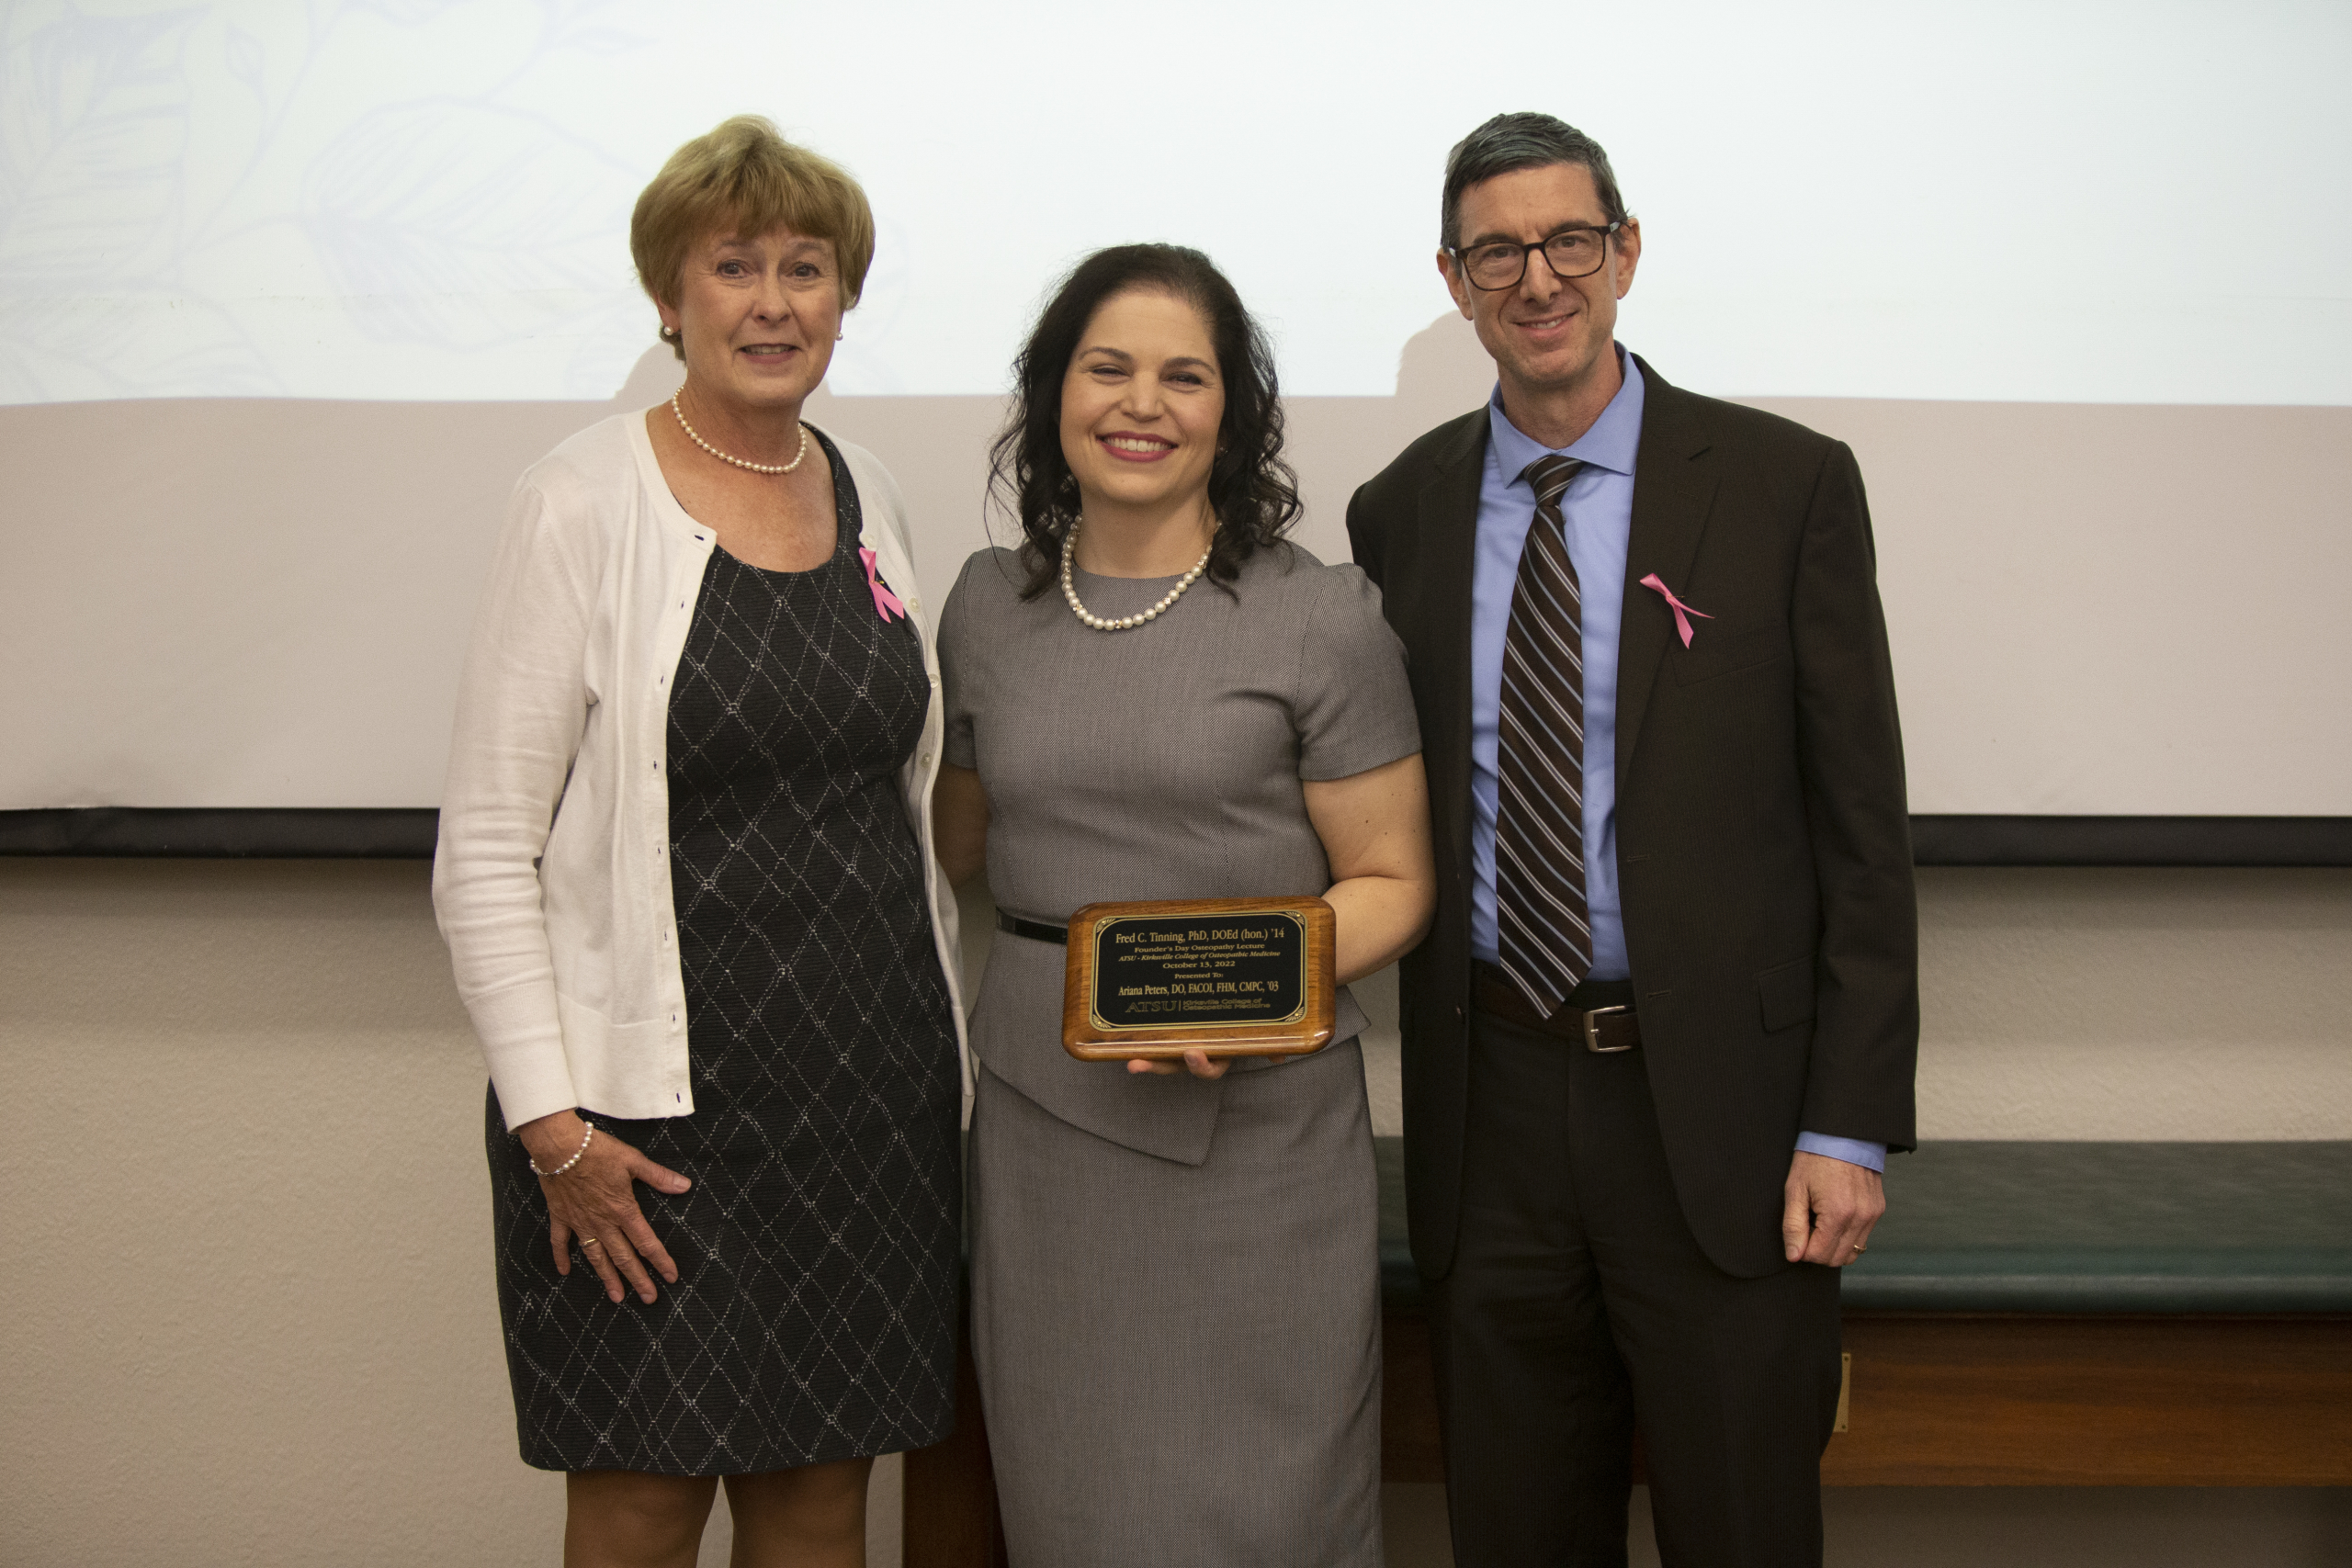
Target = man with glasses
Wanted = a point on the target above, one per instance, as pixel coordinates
(1662, 1034)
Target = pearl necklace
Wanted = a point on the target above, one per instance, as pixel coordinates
(756, 467)
(1125, 623)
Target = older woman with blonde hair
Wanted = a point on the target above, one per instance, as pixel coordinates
(686, 878)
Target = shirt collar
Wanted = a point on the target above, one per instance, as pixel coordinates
(1609, 443)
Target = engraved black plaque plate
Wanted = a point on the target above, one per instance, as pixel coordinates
(1160, 979)
(1152, 972)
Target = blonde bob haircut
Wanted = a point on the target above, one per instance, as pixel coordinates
(744, 179)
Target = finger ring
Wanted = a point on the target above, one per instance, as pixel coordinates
(592, 1241)
(1860, 1248)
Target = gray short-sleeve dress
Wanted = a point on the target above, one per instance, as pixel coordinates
(1175, 1307)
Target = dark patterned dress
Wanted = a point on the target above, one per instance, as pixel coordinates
(814, 1317)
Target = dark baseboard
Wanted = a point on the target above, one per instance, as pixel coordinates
(264, 833)
(2132, 840)
(294, 833)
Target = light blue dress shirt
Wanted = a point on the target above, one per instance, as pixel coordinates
(1598, 511)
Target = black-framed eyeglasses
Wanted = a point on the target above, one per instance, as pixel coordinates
(1569, 252)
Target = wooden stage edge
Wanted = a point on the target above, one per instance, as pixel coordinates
(1937, 1399)
(1933, 1399)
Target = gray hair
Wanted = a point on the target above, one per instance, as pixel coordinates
(1526, 141)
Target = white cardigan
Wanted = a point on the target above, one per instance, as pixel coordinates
(552, 879)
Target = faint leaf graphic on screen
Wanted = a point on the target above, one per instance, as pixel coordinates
(93, 126)
(246, 57)
(463, 224)
(408, 13)
(604, 42)
(82, 348)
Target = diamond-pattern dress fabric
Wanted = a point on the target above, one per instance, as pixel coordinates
(819, 1251)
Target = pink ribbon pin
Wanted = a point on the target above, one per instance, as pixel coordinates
(886, 603)
(1682, 612)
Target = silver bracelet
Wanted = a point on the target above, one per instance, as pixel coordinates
(567, 1165)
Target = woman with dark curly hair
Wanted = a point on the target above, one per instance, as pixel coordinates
(1175, 1285)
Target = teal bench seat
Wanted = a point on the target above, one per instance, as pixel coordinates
(2069, 1228)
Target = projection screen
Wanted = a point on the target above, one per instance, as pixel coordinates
(289, 293)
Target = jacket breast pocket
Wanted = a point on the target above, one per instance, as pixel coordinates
(1785, 994)
(1727, 653)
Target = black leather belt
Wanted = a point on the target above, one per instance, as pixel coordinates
(1598, 1015)
(1036, 931)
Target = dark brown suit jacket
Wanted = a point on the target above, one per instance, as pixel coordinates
(1763, 843)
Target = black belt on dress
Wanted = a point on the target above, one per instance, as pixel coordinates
(1598, 1015)
(1036, 931)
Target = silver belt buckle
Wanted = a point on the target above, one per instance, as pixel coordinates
(1592, 1032)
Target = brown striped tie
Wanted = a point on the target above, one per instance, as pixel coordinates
(1544, 933)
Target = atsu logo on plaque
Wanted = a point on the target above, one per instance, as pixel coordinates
(1231, 977)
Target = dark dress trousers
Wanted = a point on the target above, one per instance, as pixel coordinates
(1765, 866)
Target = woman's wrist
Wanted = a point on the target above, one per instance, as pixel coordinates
(551, 1141)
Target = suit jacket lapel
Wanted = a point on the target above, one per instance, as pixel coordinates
(1674, 488)
(1448, 526)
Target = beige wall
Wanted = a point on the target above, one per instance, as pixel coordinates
(252, 1321)
(2062, 1003)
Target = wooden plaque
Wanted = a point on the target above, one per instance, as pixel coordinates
(1231, 977)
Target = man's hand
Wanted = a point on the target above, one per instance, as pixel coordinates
(1828, 1210)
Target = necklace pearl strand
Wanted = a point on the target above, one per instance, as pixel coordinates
(1125, 623)
(692, 436)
